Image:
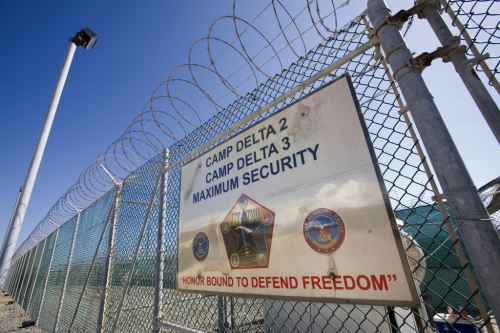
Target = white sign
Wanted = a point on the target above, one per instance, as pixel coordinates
(294, 207)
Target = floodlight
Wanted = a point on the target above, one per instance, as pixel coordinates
(85, 38)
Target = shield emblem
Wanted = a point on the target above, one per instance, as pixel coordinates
(247, 231)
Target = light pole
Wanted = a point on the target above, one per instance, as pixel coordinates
(85, 38)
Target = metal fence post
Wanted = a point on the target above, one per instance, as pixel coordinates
(29, 254)
(160, 246)
(48, 275)
(133, 261)
(108, 261)
(21, 276)
(87, 277)
(464, 67)
(36, 275)
(442, 207)
(470, 44)
(478, 234)
(221, 314)
(6, 286)
(13, 274)
(68, 268)
(16, 277)
(27, 271)
(23, 296)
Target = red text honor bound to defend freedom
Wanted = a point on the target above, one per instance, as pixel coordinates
(326, 282)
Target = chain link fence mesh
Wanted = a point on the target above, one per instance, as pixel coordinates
(478, 23)
(125, 292)
(80, 307)
(139, 208)
(32, 275)
(56, 276)
(19, 278)
(43, 271)
(26, 272)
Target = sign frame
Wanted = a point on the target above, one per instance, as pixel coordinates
(414, 303)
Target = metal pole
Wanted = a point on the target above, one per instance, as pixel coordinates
(464, 68)
(480, 239)
(20, 210)
(221, 312)
(68, 268)
(108, 261)
(11, 222)
(470, 44)
(469, 277)
(48, 275)
(85, 38)
(160, 246)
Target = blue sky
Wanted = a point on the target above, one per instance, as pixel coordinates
(140, 43)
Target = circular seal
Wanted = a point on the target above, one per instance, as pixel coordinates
(225, 228)
(268, 219)
(324, 230)
(261, 258)
(200, 246)
(234, 260)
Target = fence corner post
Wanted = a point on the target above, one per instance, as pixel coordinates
(473, 222)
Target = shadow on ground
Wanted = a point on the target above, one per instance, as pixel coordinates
(12, 316)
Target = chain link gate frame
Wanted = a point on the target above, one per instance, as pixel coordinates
(110, 282)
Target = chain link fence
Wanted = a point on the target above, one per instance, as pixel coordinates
(477, 22)
(97, 272)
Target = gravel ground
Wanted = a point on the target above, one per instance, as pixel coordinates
(11, 317)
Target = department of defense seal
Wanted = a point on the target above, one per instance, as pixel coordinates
(200, 246)
(324, 230)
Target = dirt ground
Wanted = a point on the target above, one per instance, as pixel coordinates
(11, 317)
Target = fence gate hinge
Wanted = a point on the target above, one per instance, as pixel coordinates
(444, 52)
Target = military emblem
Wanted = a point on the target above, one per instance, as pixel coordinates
(200, 246)
(324, 230)
(247, 232)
